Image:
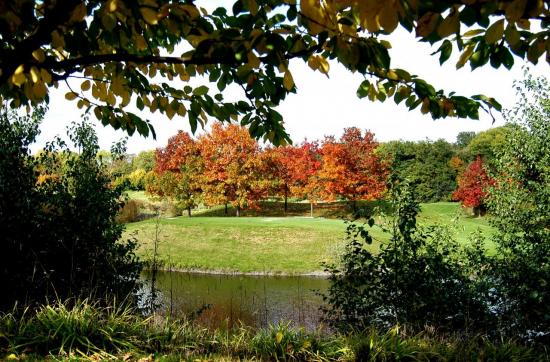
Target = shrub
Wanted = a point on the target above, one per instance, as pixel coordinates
(130, 212)
(415, 279)
(61, 238)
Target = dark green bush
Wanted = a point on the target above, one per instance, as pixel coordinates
(416, 279)
(57, 211)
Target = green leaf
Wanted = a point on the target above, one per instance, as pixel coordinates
(363, 89)
(200, 91)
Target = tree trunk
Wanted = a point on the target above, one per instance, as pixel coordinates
(311, 208)
(189, 211)
(226, 208)
(354, 206)
(238, 210)
(286, 200)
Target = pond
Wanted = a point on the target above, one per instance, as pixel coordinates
(256, 301)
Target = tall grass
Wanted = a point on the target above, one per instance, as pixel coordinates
(85, 330)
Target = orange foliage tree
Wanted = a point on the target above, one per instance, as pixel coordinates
(178, 170)
(232, 167)
(279, 164)
(303, 166)
(351, 169)
(472, 186)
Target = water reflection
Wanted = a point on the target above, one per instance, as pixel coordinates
(257, 301)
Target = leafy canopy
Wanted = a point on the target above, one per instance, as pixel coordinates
(146, 52)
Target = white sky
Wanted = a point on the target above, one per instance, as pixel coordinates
(326, 106)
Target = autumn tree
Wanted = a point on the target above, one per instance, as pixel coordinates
(304, 168)
(350, 168)
(278, 164)
(114, 53)
(178, 167)
(232, 167)
(473, 186)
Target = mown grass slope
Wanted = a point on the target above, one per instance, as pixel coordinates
(270, 242)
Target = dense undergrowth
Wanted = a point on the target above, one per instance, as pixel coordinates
(88, 331)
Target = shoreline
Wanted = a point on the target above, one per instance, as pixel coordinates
(315, 274)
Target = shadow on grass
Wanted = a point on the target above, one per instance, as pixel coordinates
(329, 210)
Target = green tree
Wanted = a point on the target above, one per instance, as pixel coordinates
(114, 52)
(424, 163)
(486, 144)
(520, 203)
(60, 237)
(145, 160)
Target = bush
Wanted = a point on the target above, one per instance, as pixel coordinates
(58, 212)
(130, 212)
(414, 280)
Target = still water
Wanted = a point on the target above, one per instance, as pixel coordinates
(257, 301)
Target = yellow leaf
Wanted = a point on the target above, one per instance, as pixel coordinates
(98, 113)
(39, 55)
(18, 79)
(109, 21)
(471, 33)
(425, 106)
(45, 75)
(19, 69)
(85, 85)
(57, 40)
(466, 54)
(450, 25)
(324, 67)
(512, 35)
(426, 24)
(111, 100)
(12, 357)
(313, 15)
(79, 13)
(494, 32)
(253, 60)
(71, 96)
(515, 10)
(39, 90)
(388, 17)
(288, 82)
(392, 75)
(112, 5)
(149, 15)
(279, 337)
(181, 110)
(35, 74)
(140, 42)
(170, 112)
(313, 62)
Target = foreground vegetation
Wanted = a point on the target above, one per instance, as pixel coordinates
(86, 331)
(266, 241)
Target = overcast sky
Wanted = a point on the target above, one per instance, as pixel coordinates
(326, 106)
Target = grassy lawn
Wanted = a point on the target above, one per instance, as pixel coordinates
(271, 243)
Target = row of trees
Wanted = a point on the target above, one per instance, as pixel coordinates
(227, 167)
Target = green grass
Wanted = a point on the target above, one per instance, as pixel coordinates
(246, 244)
(273, 244)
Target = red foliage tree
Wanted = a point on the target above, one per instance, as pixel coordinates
(277, 168)
(304, 163)
(472, 186)
(351, 169)
(178, 169)
(232, 167)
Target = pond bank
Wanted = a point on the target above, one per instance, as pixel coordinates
(313, 274)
